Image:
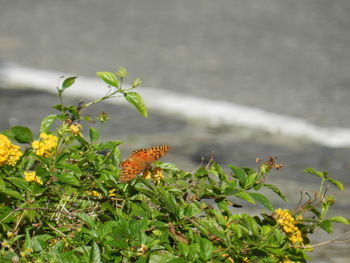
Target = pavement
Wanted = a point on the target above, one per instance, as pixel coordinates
(288, 57)
(284, 57)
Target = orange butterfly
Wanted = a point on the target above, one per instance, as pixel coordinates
(139, 160)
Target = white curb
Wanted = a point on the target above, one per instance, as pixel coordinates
(214, 112)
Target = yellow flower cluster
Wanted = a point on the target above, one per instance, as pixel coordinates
(32, 177)
(288, 224)
(9, 153)
(46, 145)
(156, 174)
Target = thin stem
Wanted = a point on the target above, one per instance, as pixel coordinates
(99, 100)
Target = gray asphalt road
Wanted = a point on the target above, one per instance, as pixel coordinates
(289, 57)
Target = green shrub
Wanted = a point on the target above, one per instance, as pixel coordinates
(62, 200)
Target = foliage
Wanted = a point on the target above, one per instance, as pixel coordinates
(61, 201)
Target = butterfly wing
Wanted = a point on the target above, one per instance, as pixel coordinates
(139, 160)
(130, 169)
(152, 154)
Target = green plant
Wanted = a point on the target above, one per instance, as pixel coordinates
(62, 201)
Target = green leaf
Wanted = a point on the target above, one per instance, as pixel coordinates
(217, 170)
(245, 196)
(313, 171)
(109, 78)
(22, 134)
(276, 191)
(95, 256)
(250, 180)
(69, 167)
(136, 100)
(108, 145)
(262, 200)
(239, 174)
(206, 248)
(89, 220)
(19, 182)
(336, 183)
(168, 167)
(68, 178)
(339, 219)
(68, 82)
(94, 134)
(192, 210)
(165, 257)
(47, 122)
(11, 193)
(326, 225)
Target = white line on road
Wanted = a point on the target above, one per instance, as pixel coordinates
(214, 112)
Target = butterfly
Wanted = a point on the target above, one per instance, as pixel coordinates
(139, 160)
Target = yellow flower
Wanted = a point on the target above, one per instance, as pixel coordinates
(9, 153)
(29, 250)
(46, 145)
(31, 176)
(288, 224)
(111, 193)
(156, 174)
(147, 174)
(76, 129)
(9, 234)
(95, 193)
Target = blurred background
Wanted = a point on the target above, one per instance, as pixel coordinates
(289, 58)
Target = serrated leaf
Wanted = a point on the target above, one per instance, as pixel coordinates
(89, 220)
(314, 172)
(47, 122)
(262, 200)
(168, 166)
(11, 193)
(19, 182)
(245, 196)
(276, 191)
(69, 167)
(336, 183)
(136, 100)
(109, 78)
(250, 180)
(339, 219)
(68, 82)
(239, 174)
(165, 257)
(68, 178)
(95, 256)
(22, 134)
(217, 170)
